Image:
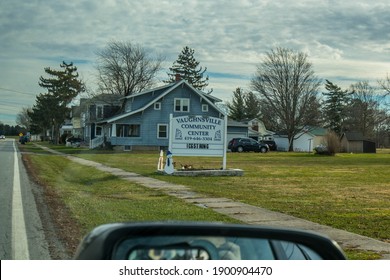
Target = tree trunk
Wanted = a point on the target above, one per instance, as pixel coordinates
(290, 143)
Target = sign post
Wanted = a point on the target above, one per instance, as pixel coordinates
(225, 144)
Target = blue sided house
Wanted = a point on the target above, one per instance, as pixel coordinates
(143, 123)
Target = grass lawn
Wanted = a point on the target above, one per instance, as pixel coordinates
(94, 197)
(348, 191)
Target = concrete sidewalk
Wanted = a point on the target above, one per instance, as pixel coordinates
(241, 211)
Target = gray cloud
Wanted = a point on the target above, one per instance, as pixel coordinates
(345, 40)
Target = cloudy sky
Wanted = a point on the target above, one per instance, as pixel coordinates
(347, 41)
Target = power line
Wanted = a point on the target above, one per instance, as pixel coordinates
(16, 91)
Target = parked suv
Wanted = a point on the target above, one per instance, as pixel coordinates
(247, 145)
(271, 144)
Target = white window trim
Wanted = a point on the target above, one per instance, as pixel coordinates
(122, 130)
(181, 105)
(158, 130)
(205, 107)
(97, 112)
(157, 106)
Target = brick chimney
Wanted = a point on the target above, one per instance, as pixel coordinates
(177, 77)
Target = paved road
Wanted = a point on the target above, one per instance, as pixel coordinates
(21, 232)
(243, 212)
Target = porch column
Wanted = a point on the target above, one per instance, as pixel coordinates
(113, 130)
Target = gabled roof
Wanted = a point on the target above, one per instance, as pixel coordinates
(354, 136)
(209, 96)
(167, 89)
(317, 131)
(103, 98)
(148, 91)
(313, 131)
(234, 123)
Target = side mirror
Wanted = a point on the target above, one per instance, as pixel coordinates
(205, 241)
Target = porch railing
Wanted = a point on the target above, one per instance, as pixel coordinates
(96, 142)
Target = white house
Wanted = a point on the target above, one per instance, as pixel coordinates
(305, 141)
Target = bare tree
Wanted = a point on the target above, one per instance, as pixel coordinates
(125, 68)
(385, 84)
(23, 119)
(286, 84)
(365, 112)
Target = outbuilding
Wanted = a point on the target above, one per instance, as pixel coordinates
(355, 142)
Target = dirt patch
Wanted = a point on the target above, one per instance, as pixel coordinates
(61, 230)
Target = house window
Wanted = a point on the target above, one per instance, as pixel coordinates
(99, 131)
(182, 105)
(205, 107)
(127, 148)
(162, 131)
(157, 106)
(99, 112)
(128, 130)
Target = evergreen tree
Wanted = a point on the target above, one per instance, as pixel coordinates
(252, 106)
(63, 84)
(334, 107)
(244, 105)
(188, 68)
(42, 114)
(237, 110)
(10, 130)
(51, 108)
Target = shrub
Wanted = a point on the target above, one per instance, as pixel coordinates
(331, 145)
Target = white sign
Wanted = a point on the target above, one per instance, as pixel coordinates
(197, 136)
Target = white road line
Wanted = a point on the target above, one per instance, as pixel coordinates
(19, 234)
